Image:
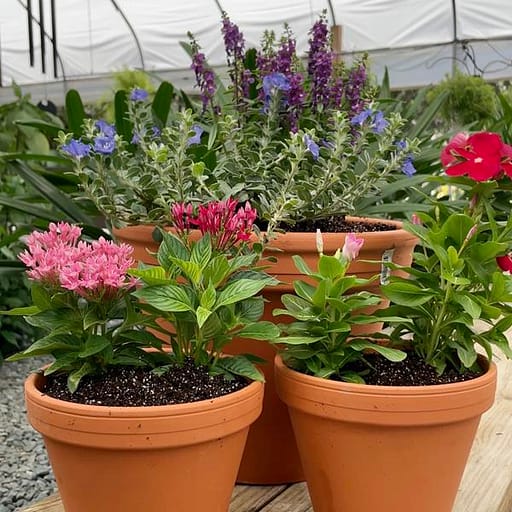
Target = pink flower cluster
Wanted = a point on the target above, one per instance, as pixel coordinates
(482, 156)
(220, 219)
(94, 270)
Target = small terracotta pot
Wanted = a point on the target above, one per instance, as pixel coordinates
(393, 449)
(271, 455)
(182, 458)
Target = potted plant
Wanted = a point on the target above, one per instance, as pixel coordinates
(304, 143)
(405, 427)
(145, 428)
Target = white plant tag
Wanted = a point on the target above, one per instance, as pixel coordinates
(385, 271)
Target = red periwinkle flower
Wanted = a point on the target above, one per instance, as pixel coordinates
(505, 262)
(482, 156)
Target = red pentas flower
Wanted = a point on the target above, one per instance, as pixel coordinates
(220, 219)
(482, 156)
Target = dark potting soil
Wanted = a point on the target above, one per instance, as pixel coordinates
(128, 386)
(412, 371)
(337, 224)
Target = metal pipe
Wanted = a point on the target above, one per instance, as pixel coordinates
(54, 38)
(30, 33)
(42, 36)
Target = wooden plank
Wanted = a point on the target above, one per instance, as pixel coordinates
(486, 486)
(252, 498)
(51, 504)
(293, 499)
(246, 498)
(487, 482)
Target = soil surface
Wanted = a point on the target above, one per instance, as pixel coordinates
(412, 371)
(337, 224)
(125, 386)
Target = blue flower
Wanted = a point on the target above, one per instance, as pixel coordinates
(104, 145)
(275, 81)
(136, 137)
(379, 123)
(312, 146)
(196, 138)
(76, 149)
(362, 116)
(156, 131)
(408, 167)
(139, 95)
(401, 144)
(105, 128)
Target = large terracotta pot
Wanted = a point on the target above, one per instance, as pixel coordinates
(393, 449)
(271, 455)
(182, 458)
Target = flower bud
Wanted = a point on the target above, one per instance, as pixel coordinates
(319, 242)
(352, 246)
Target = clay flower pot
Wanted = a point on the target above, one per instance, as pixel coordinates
(366, 448)
(271, 455)
(182, 458)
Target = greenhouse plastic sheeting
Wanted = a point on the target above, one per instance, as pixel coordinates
(419, 41)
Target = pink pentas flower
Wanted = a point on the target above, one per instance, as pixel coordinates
(482, 156)
(94, 270)
(352, 246)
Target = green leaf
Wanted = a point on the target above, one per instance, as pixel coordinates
(162, 102)
(63, 362)
(52, 194)
(166, 298)
(295, 304)
(24, 311)
(202, 314)
(123, 126)
(299, 340)
(207, 299)
(75, 377)
(93, 345)
(391, 354)
(240, 365)
(75, 112)
(304, 290)
(171, 247)
(151, 275)
(301, 265)
(264, 330)
(217, 270)
(470, 306)
(407, 294)
(191, 270)
(330, 267)
(457, 227)
(202, 251)
(46, 345)
(250, 310)
(238, 291)
(467, 353)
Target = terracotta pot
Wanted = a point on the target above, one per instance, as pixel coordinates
(141, 239)
(271, 455)
(182, 458)
(392, 449)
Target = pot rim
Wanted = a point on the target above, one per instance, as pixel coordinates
(405, 391)
(154, 411)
